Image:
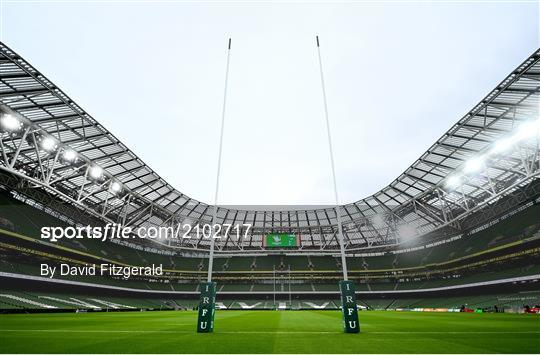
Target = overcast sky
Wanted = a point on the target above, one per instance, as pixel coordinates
(397, 75)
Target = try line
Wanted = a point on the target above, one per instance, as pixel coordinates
(260, 332)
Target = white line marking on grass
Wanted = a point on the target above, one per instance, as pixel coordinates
(257, 332)
(450, 332)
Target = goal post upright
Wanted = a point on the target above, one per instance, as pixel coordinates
(208, 289)
(346, 287)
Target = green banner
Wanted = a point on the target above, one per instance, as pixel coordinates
(280, 240)
(349, 307)
(207, 301)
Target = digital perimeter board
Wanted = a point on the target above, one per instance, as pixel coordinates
(281, 240)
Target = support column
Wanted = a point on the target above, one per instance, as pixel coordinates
(349, 307)
(207, 309)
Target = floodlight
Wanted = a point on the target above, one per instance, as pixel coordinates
(70, 155)
(474, 165)
(96, 172)
(528, 130)
(116, 187)
(48, 144)
(537, 127)
(502, 146)
(453, 182)
(10, 123)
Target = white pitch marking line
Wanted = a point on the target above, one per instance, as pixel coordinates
(257, 332)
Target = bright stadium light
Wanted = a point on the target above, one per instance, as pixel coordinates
(69, 155)
(474, 165)
(453, 182)
(502, 146)
(48, 144)
(528, 130)
(116, 187)
(10, 123)
(96, 172)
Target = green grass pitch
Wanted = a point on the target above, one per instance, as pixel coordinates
(269, 332)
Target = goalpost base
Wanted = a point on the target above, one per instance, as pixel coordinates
(207, 301)
(349, 307)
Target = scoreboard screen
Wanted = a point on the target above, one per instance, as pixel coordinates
(280, 240)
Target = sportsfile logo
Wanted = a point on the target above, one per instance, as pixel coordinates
(116, 231)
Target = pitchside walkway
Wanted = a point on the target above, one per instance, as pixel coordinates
(25, 300)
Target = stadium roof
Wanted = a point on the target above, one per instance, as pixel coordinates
(51, 143)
